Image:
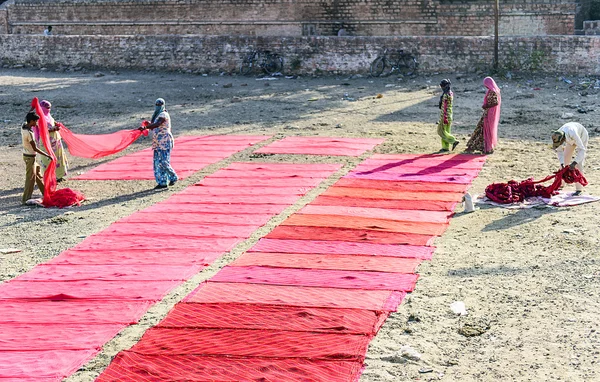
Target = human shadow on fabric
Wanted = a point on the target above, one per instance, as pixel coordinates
(442, 165)
(521, 217)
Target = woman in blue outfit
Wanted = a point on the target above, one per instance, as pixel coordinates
(162, 144)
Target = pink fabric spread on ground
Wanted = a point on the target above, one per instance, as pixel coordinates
(186, 158)
(283, 295)
(43, 363)
(139, 256)
(27, 337)
(347, 234)
(317, 278)
(120, 272)
(341, 247)
(320, 146)
(72, 312)
(328, 261)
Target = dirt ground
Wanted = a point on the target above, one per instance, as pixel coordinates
(529, 278)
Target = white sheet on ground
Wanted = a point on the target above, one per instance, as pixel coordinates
(562, 199)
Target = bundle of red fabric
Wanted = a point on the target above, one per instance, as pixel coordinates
(516, 192)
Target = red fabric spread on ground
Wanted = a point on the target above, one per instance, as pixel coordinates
(139, 256)
(64, 197)
(347, 234)
(328, 261)
(400, 186)
(132, 367)
(355, 222)
(252, 343)
(268, 317)
(317, 278)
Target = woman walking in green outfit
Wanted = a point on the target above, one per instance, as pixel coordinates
(445, 122)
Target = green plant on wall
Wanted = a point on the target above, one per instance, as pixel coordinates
(296, 63)
(523, 60)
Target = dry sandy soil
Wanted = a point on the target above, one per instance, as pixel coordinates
(529, 278)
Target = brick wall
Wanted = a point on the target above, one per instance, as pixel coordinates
(3, 20)
(291, 17)
(563, 54)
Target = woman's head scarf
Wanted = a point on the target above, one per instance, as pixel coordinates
(158, 108)
(46, 105)
(445, 85)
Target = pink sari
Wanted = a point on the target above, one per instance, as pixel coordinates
(490, 124)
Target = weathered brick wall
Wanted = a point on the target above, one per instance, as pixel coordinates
(3, 19)
(292, 17)
(564, 54)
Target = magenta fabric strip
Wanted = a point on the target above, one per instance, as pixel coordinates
(318, 278)
(379, 213)
(342, 247)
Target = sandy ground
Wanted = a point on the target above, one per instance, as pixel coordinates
(529, 278)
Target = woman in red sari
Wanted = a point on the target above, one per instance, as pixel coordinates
(485, 136)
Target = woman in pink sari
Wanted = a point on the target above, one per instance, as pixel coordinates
(485, 136)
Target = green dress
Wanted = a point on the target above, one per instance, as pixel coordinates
(445, 122)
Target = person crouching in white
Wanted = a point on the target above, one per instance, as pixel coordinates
(570, 138)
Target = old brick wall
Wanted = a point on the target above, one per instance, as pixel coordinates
(292, 17)
(201, 54)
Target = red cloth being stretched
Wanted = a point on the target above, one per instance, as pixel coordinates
(516, 192)
(64, 197)
(98, 146)
(85, 146)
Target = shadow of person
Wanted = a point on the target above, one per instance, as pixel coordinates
(522, 216)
